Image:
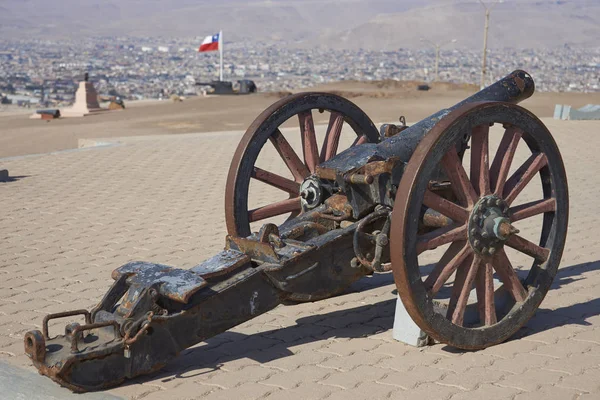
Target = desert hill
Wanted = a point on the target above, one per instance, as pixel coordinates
(351, 24)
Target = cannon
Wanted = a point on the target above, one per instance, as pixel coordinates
(395, 201)
(244, 86)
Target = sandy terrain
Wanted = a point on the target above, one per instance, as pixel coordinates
(382, 101)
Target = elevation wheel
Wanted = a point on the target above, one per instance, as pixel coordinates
(486, 299)
(295, 166)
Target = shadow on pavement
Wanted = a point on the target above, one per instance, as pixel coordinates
(357, 322)
(14, 178)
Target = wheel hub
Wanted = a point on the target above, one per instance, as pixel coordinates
(489, 225)
(310, 193)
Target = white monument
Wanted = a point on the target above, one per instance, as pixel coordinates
(86, 101)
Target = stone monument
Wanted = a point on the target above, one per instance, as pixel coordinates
(86, 101)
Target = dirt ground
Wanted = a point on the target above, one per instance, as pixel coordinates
(382, 101)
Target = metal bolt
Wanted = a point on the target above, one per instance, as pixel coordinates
(476, 243)
(473, 231)
(484, 250)
(492, 250)
(476, 218)
(484, 234)
(127, 352)
(498, 202)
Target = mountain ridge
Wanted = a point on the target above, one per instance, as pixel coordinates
(343, 24)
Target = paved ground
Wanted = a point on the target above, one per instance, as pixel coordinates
(68, 219)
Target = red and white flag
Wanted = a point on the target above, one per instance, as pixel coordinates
(210, 43)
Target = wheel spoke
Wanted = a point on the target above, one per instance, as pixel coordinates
(503, 159)
(445, 207)
(458, 177)
(480, 168)
(440, 237)
(274, 209)
(360, 140)
(508, 276)
(526, 247)
(332, 137)
(523, 176)
(533, 208)
(277, 181)
(289, 156)
(485, 294)
(462, 289)
(309, 140)
(450, 261)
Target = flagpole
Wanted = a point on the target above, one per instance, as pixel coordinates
(221, 53)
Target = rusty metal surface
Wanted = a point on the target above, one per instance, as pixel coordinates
(264, 128)
(223, 263)
(152, 312)
(176, 284)
(416, 297)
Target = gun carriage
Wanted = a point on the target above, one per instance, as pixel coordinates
(377, 206)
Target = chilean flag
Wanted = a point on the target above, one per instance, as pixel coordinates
(210, 43)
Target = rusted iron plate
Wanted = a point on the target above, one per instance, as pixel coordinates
(176, 284)
(223, 263)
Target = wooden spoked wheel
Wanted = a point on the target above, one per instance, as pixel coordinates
(299, 165)
(487, 301)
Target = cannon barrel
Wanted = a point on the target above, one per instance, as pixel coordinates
(513, 88)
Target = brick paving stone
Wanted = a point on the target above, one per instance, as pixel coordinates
(137, 390)
(410, 379)
(183, 391)
(585, 382)
(349, 347)
(366, 390)
(521, 363)
(549, 392)
(394, 349)
(350, 379)
(293, 378)
(550, 336)
(426, 391)
(531, 380)
(563, 348)
(465, 361)
(511, 348)
(246, 391)
(66, 227)
(588, 336)
(294, 361)
(410, 360)
(487, 391)
(575, 364)
(354, 360)
(589, 396)
(309, 391)
(473, 377)
(230, 379)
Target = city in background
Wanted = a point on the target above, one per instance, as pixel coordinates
(138, 69)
